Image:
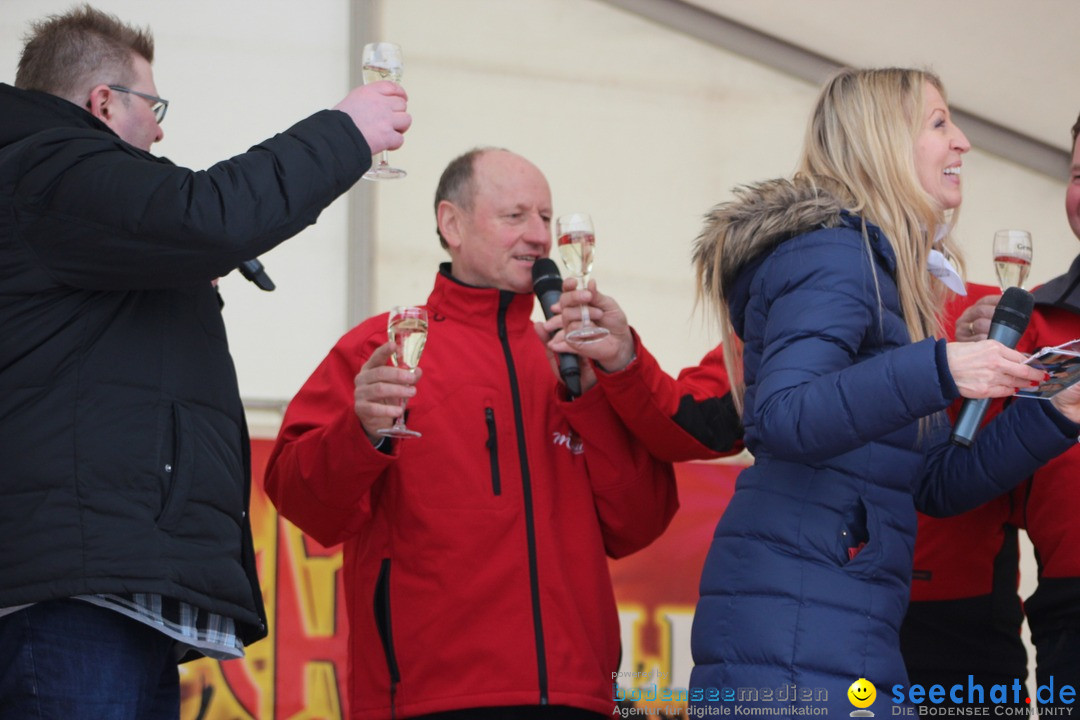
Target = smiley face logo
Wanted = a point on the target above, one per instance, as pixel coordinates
(862, 693)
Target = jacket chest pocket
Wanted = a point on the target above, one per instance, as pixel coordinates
(493, 450)
(466, 458)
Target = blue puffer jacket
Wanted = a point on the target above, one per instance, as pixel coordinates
(806, 582)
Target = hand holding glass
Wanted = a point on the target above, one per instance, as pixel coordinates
(1012, 257)
(576, 247)
(382, 61)
(407, 327)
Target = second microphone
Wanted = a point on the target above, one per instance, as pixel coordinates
(547, 284)
(1008, 324)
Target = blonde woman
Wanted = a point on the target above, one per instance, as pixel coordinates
(822, 281)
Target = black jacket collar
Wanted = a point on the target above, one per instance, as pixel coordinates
(1063, 291)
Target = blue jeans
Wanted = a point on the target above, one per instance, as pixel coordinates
(70, 660)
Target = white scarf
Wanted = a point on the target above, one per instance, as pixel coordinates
(940, 267)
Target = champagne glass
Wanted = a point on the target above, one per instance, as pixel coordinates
(407, 327)
(576, 248)
(1012, 257)
(382, 61)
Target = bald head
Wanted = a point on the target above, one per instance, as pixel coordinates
(500, 222)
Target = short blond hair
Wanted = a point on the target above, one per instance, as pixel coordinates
(69, 54)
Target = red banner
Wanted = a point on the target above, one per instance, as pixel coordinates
(299, 672)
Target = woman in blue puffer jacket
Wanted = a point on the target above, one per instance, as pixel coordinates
(822, 280)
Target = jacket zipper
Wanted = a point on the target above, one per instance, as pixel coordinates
(385, 627)
(493, 451)
(505, 299)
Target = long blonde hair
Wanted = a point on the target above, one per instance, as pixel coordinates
(860, 147)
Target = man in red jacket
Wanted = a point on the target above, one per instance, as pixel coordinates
(475, 555)
(1047, 505)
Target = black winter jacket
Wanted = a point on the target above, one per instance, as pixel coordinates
(124, 460)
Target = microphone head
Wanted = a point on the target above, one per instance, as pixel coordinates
(1014, 309)
(254, 271)
(546, 276)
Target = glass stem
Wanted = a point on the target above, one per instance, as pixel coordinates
(585, 322)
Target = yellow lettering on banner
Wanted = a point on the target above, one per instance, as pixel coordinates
(675, 622)
(204, 693)
(321, 692)
(316, 578)
(662, 677)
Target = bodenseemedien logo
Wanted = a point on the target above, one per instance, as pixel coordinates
(862, 694)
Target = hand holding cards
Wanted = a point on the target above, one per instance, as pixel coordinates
(1061, 363)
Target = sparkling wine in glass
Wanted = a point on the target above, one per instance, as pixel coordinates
(382, 61)
(577, 243)
(407, 327)
(1012, 257)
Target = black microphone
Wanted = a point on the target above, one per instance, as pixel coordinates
(254, 271)
(547, 284)
(1008, 324)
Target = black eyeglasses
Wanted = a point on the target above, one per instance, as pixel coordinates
(158, 105)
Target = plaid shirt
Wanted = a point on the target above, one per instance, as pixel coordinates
(196, 631)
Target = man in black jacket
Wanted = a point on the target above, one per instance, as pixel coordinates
(124, 467)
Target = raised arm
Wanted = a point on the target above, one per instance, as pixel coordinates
(117, 218)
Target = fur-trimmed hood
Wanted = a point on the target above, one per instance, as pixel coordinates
(740, 233)
(762, 216)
